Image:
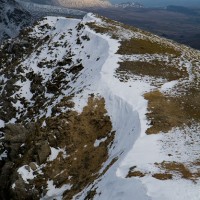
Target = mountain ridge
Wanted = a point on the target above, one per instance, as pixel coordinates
(79, 121)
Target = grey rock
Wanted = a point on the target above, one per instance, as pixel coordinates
(15, 136)
(43, 152)
(23, 191)
(33, 166)
(15, 133)
(5, 174)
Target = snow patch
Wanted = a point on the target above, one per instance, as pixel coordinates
(55, 152)
(26, 173)
(98, 142)
(53, 192)
(2, 124)
(168, 86)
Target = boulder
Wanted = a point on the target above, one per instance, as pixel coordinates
(43, 151)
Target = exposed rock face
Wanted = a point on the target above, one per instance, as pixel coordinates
(72, 136)
(43, 150)
(15, 136)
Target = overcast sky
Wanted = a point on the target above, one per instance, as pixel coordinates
(163, 2)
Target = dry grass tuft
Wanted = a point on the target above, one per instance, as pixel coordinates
(167, 112)
(134, 173)
(145, 46)
(179, 168)
(104, 29)
(162, 176)
(156, 69)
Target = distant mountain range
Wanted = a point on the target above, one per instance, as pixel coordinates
(42, 10)
(83, 3)
(129, 5)
(87, 3)
(182, 9)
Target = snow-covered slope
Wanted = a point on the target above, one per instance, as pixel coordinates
(93, 109)
(12, 18)
(42, 10)
(15, 15)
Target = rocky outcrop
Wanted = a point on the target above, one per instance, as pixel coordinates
(43, 151)
(61, 151)
(15, 137)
